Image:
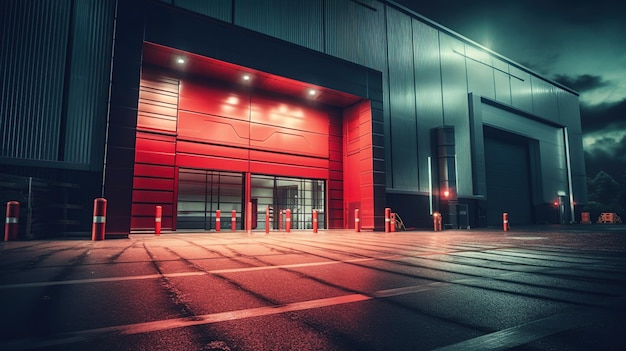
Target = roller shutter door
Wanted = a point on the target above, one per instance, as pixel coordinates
(508, 178)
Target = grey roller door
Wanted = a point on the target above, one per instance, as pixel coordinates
(508, 178)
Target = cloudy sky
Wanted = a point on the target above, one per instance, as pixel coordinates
(580, 44)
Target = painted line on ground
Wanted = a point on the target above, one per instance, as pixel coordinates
(187, 274)
(167, 324)
(524, 333)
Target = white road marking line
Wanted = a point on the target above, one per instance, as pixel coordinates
(524, 333)
(186, 274)
(146, 327)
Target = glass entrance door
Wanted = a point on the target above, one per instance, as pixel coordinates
(202, 192)
(301, 196)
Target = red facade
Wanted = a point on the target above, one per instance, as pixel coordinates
(205, 124)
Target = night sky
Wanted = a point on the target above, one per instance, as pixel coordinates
(581, 45)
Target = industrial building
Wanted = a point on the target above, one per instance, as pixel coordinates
(245, 105)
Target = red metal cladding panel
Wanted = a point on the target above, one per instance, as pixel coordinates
(281, 113)
(156, 80)
(146, 143)
(148, 170)
(149, 210)
(213, 100)
(213, 129)
(285, 140)
(157, 108)
(272, 157)
(151, 122)
(211, 162)
(197, 148)
(335, 166)
(145, 183)
(154, 157)
(152, 196)
(358, 163)
(147, 96)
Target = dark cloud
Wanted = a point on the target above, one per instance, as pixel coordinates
(581, 83)
(609, 157)
(605, 117)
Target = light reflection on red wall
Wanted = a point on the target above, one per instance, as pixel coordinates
(200, 124)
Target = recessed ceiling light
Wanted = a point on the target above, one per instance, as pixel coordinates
(312, 92)
(180, 60)
(246, 77)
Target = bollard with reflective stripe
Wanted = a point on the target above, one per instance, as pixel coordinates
(157, 220)
(218, 220)
(233, 220)
(280, 220)
(315, 223)
(99, 218)
(288, 220)
(437, 221)
(505, 221)
(357, 221)
(393, 221)
(11, 222)
(387, 219)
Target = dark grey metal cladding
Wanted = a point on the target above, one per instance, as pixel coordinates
(455, 106)
(33, 54)
(429, 100)
(56, 63)
(88, 86)
(402, 123)
(220, 9)
(299, 22)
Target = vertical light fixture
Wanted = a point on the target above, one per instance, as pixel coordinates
(430, 186)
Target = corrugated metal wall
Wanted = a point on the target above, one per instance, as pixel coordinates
(402, 132)
(299, 22)
(88, 81)
(54, 69)
(32, 73)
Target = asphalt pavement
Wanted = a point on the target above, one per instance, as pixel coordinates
(531, 288)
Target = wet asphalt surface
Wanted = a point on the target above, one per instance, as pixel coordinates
(533, 288)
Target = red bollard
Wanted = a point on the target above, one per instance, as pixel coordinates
(437, 221)
(267, 219)
(12, 221)
(315, 223)
(99, 218)
(288, 220)
(387, 220)
(505, 221)
(357, 221)
(393, 222)
(233, 220)
(280, 220)
(218, 220)
(157, 220)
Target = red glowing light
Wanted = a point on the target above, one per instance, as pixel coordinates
(446, 193)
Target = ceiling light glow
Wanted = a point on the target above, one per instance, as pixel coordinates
(180, 60)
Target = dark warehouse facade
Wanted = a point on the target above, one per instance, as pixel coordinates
(244, 105)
